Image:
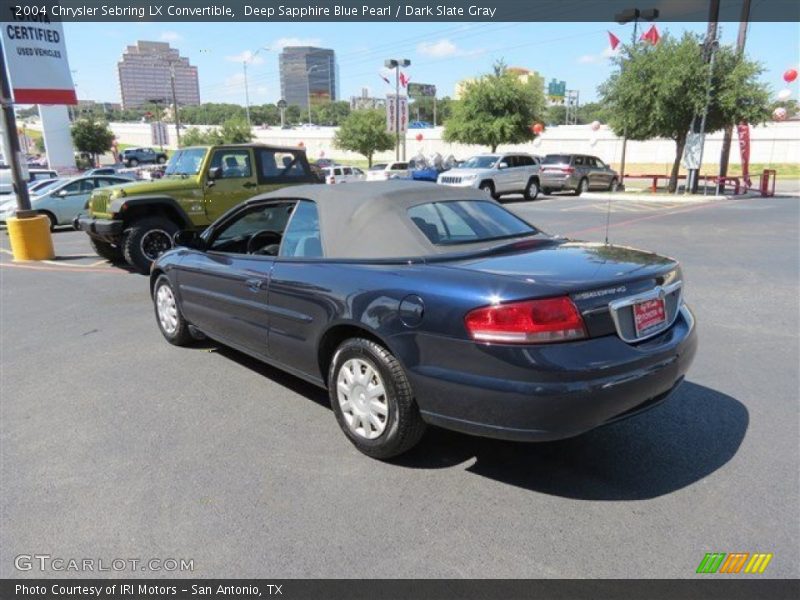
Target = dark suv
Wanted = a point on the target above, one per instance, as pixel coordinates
(133, 157)
(576, 173)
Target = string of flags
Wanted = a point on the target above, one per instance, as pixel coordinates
(404, 79)
(652, 36)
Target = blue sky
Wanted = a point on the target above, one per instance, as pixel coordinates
(441, 53)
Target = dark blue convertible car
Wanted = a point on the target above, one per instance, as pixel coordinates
(416, 304)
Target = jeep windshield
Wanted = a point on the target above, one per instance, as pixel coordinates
(186, 162)
(480, 162)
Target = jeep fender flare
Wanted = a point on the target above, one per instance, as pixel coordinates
(163, 202)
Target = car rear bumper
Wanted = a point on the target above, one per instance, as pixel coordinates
(557, 182)
(549, 392)
(106, 229)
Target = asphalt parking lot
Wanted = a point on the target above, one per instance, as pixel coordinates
(114, 444)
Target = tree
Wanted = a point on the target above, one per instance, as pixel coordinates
(657, 90)
(422, 109)
(331, 113)
(233, 131)
(236, 131)
(495, 109)
(364, 131)
(92, 137)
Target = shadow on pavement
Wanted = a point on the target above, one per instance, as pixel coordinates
(677, 443)
(688, 437)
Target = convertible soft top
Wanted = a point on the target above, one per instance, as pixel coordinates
(369, 220)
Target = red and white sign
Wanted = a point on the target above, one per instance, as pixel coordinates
(743, 129)
(37, 62)
(392, 118)
(648, 314)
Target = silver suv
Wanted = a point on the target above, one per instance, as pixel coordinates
(577, 173)
(497, 174)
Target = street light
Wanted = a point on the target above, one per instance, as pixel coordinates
(396, 64)
(624, 17)
(246, 87)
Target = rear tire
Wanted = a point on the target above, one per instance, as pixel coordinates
(146, 240)
(532, 189)
(583, 186)
(170, 321)
(161, 160)
(105, 250)
(382, 425)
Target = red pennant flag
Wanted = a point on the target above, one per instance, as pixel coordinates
(386, 79)
(404, 79)
(651, 35)
(613, 40)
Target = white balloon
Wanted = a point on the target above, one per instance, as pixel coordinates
(595, 125)
(784, 94)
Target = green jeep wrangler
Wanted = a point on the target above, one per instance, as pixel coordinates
(137, 221)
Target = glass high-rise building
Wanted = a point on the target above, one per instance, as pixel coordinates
(308, 72)
(145, 73)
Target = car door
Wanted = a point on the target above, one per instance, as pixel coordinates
(507, 177)
(68, 202)
(603, 173)
(300, 300)
(223, 288)
(230, 180)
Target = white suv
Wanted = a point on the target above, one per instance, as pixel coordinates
(384, 171)
(342, 174)
(497, 174)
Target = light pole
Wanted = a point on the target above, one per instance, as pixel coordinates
(624, 17)
(246, 87)
(394, 63)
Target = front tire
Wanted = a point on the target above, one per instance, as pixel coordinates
(612, 187)
(372, 399)
(52, 218)
(170, 321)
(532, 190)
(146, 240)
(487, 187)
(106, 250)
(161, 160)
(133, 163)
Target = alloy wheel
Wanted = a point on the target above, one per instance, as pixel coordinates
(167, 309)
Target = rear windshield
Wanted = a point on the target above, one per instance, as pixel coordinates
(467, 221)
(556, 159)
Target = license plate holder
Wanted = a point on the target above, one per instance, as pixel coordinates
(649, 316)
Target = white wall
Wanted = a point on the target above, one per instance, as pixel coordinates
(772, 143)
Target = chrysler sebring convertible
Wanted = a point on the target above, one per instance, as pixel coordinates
(415, 304)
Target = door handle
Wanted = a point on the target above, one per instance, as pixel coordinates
(256, 285)
(249, 184)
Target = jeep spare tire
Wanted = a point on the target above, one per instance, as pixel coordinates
(147, 239)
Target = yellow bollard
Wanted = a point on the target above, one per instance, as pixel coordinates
(30, 238)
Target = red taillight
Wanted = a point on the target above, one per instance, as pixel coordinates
(529, 322)
(569, 170)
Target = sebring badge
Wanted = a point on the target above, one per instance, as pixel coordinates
(600, 293)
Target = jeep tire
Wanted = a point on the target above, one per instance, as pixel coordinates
(105, 250)
(146, 239)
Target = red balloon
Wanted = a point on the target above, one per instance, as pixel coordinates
(420, 137)
(537, 128)
(301, 144)
(790, 75)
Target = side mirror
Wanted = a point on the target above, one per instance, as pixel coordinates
(62, 193)
(214, 173)
(189, 239)
(502, 165)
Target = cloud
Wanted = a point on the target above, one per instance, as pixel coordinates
(281, 43)
(170, 36)
(593, 59)
(246, 55)
(444, 48)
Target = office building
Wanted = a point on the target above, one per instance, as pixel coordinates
(145, 72)
(308, 73)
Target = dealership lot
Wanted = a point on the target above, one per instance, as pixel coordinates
(118, 445)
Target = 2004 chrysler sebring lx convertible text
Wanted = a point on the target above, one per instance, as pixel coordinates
(418, 304)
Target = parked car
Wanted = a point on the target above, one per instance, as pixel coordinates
(420, 125)
(133, 157)
(577, 173)
(7, 182)
(101, 171)
(64, 201)
(417, 304)
(38, 187)
(497, 174)
(384, 171)
(137, 221)
(343, 174)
